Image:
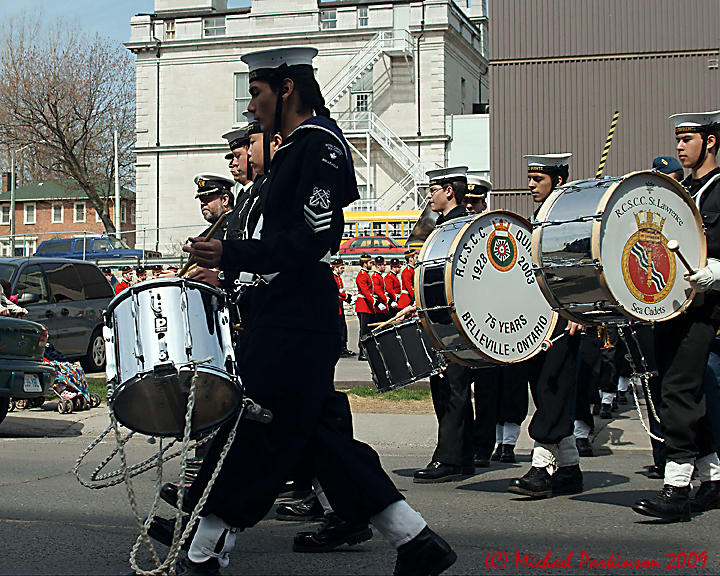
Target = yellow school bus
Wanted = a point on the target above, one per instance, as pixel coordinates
(396, 224)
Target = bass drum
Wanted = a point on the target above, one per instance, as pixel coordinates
(478, 296)
(600, 248)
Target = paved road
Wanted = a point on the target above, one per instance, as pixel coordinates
(50, 524)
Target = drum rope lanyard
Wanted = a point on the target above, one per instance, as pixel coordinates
(643, 377)
(125, 473)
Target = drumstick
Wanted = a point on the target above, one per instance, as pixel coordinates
(400, 316)
(191, 260)
(674, 246)
(547, 344)
(608, 143)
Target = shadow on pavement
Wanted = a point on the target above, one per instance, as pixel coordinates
(24, 425)
(624, 498)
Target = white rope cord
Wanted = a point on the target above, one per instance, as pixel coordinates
(633, 380)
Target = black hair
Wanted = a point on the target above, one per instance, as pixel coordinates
(459, 190)
(561, 172)
(5, 287)
(307, 87)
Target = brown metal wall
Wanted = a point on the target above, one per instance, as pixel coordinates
(548, 28)
(567, 106)
(517, 202)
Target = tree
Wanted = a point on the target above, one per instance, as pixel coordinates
(65, 94)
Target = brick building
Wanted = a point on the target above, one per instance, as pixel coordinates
(58, 209)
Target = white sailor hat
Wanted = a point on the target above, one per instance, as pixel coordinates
(547, 163)
(209, 183)
(695, 121)
(443, 175)
(237, 137)
(263, 64)
(253, 126)
(478, 185)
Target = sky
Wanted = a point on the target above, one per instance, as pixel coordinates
(108, 18)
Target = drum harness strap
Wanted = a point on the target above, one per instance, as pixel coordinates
(125, 473)
(639, 377)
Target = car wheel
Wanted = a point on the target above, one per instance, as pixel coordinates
(22, 404)
(94, 361)
(4, 407)
(95, 400)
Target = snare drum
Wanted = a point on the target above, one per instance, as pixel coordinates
(400, 354)
(479, 299)
(600, 248)
(158, 333)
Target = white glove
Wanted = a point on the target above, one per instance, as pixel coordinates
(393, 304)
(704, 278)
(382, 307)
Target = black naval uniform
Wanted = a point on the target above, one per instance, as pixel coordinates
(451, 401)
(682, 347)
(289, 345)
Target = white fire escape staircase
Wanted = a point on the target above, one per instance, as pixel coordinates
(394, 43)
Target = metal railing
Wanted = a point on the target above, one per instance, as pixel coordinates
(387, 41)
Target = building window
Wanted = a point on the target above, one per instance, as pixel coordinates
(123, 213)
(214, 26)
(169, 29)
(97, 216)
(30, 213)
(328, 19)
(57, 214)
(363, 20)
(132, 216)
(462, 95)
(362, 102)
(79, 212)
(242, 96)
(5, 215)
(4, 248)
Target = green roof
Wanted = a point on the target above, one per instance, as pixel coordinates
(60, 190)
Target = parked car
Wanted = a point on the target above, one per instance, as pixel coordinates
(23, 375)
(91, 248)
(66, 296)
(351, 249)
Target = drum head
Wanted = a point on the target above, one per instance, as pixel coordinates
(499, 307)
(157, 406)
(641, 213)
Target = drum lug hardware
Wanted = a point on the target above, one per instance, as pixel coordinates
(163, 371)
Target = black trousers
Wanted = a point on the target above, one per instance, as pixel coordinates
(364, 319)
(553, 375)
(290, 372)
(453, 408)
(342, 326)
(682, 347)
(501, 395)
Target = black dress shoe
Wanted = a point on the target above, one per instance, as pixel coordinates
(438, 472)
(293, 489)
(169, 493)
(332, 533)
(508, 453)
(536, 483)
(622, 398)
(567, 480)
(656, 472)
(480, 460)
(584, 447)
(425, 555)
(162, 529)
(307, 509)
(186, 567)
(361, 355)
(606, 412)
(707, 497)
(672, 504)
(347, 353)
(497, 454)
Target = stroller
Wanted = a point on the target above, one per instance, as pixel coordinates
(70, 384)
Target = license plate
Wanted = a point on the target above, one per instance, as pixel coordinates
(32, 383)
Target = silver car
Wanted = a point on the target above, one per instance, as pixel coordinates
(66, 296)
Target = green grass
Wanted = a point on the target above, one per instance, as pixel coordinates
(97, 385)
(399, 394)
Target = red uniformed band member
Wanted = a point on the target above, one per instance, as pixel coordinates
(392, 284)
(381, 297)
(126, 281)
(407, 280)
(338, 269)
(364, 305)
